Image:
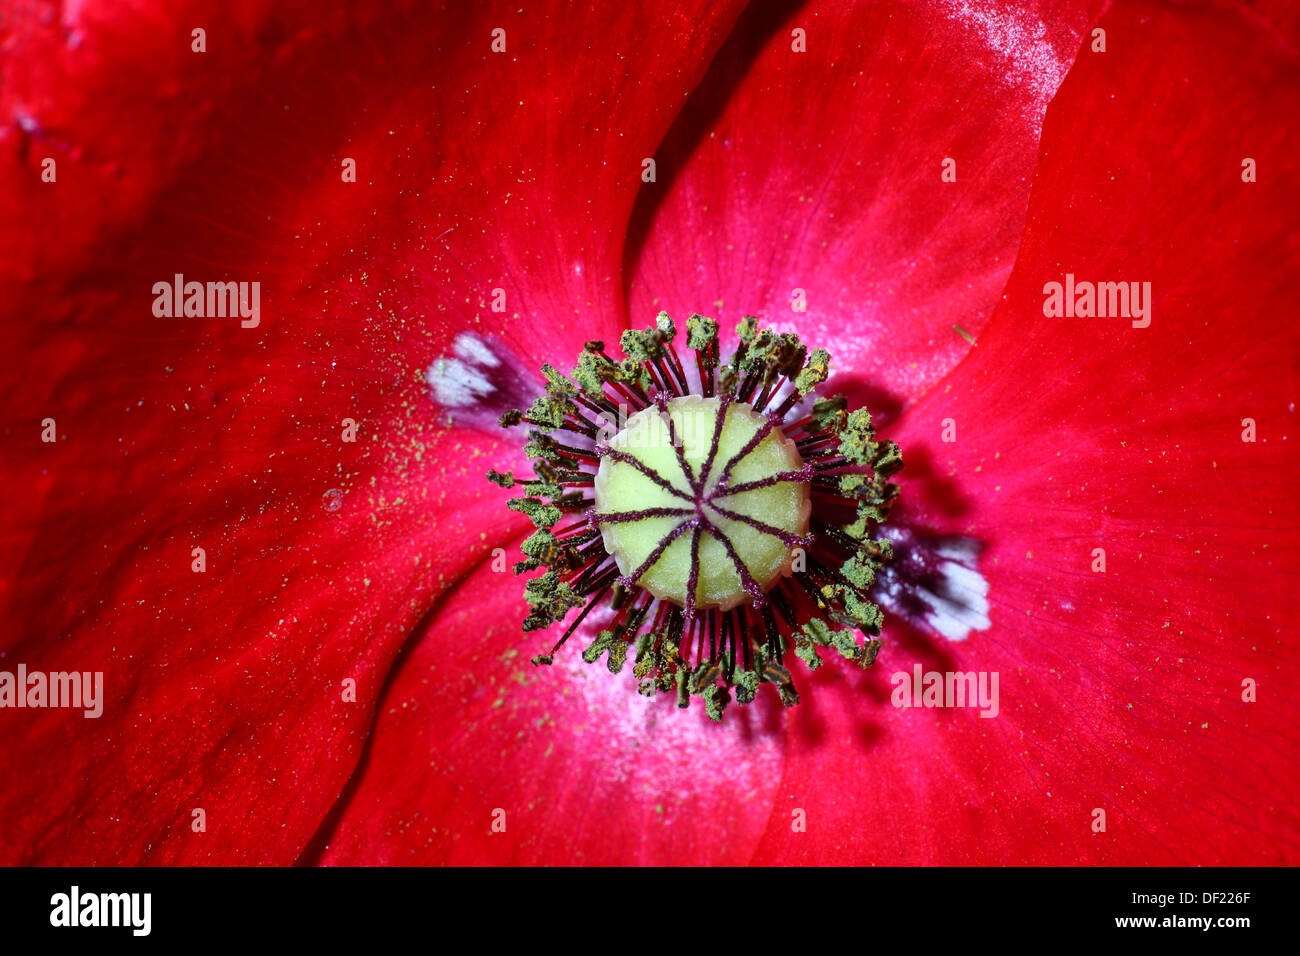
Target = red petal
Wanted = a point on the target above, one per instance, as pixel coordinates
(475, 171)
(821, 171)
(575, 765)
(1120, 691)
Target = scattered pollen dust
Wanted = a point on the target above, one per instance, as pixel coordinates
(1025, 49)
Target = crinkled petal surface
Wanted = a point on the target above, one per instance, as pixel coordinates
(244, 690)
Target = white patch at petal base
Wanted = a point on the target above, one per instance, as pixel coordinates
(474, 350)
(456, 384)
(463, 381)
(947, 594)
(964, 605)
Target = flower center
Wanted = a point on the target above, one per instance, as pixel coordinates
(728, 520)
(702, 501)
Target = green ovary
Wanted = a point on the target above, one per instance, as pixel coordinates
(620, 487)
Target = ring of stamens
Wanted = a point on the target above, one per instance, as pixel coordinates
(806, 481)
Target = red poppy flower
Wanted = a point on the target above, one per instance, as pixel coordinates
(308, 652)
